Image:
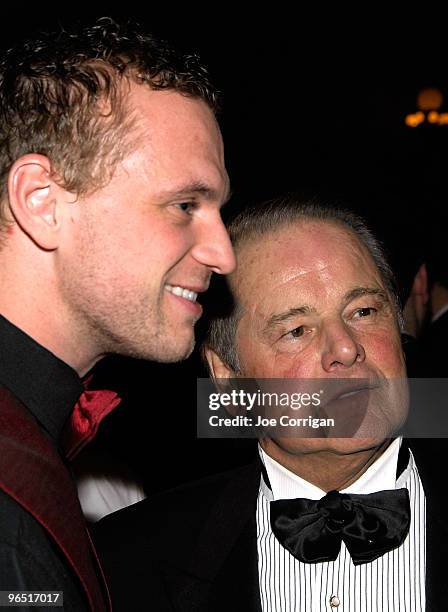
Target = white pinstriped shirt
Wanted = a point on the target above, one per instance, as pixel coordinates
(393, 583)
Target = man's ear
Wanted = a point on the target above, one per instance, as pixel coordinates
(420, 284)
(33, 199)
(218, 369)
(220, 373)
(416, 307)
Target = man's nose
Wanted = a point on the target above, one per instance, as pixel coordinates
(213, 247)
(341, 349)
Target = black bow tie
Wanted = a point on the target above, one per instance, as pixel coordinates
(370, 525)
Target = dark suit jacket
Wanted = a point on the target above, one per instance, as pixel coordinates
(44, 542)
(432, 359)
(194, 548)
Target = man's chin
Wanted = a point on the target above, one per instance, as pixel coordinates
(171, 350)
(339, 446)
(348, 446)
(180, 350)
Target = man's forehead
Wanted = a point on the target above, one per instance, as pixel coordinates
(306, 252)
(169, 108)
(300, 242)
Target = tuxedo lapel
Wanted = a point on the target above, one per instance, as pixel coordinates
(237, 584)
(430, 456)
(32, 473)
(222, 573)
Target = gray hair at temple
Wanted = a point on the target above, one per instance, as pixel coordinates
(223, 312)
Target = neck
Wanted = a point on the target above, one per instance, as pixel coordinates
(327, 469)
(29, 300)
(47, 336)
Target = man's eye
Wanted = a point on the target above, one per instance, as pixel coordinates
(365, 312)
(185, 206)
(296, 332)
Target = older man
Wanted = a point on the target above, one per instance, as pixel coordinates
(320, 523)
(112, 179)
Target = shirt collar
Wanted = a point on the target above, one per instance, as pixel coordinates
(285, 484)
(47, 386)
(440, 313)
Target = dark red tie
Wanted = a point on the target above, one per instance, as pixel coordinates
(89, 411)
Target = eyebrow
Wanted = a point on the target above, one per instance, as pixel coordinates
(200, 189)
(282, 317)
(278, 319)
(361, 291)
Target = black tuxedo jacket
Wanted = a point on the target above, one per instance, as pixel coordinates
(431, 359)
(194, 548)
(44, 542)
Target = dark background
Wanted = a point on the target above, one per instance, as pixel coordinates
(312, 104)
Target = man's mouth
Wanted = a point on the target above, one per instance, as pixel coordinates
(350, 393)
(344, 390)
(182, 292)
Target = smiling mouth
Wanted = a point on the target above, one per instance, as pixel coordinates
(182, 292)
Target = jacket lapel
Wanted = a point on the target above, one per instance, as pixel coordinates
(222, 573)
(430, 455)
(32, 473)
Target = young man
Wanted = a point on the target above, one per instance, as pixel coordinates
(112, 178)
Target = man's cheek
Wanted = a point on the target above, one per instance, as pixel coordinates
(386, 353)
(262, 362)
(293, 364)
